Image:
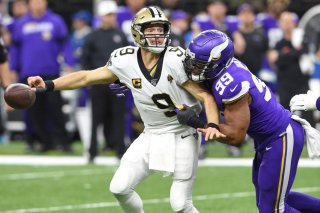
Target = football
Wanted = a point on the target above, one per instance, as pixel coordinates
(19, 96)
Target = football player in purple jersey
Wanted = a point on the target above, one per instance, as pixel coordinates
(249, 107)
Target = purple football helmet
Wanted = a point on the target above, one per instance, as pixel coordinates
(208, 55)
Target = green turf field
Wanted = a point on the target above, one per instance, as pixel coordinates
(84, 189)
(215, 150)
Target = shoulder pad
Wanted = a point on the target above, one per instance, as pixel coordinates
(175, 52)
(120, 57)
(232, 84)
(233, 94)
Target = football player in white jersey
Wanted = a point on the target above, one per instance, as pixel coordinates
(154, 72)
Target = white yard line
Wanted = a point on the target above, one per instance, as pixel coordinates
(148, 201)
(54, 160)
(54, 174)
(113, 161)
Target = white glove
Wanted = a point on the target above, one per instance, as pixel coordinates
(305, 102)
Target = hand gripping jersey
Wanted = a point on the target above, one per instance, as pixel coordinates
(155, 92)
(268, 119)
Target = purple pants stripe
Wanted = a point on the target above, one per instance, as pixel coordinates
(276, 209)
(287, 152)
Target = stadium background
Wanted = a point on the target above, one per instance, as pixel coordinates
(67, 7)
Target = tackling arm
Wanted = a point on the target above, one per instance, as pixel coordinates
(201, 94)
(236, 121)
(211, 109)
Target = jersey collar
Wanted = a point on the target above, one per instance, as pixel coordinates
(155, 78)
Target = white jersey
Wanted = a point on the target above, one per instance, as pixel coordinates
(154, 96)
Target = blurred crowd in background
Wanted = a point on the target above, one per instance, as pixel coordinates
(277, 39)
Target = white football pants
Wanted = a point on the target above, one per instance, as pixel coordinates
(134, 168)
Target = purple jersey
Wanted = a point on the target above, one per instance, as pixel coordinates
(267, 21)
(268, 119)
(38, 43)
(271, 28)
(203, 22)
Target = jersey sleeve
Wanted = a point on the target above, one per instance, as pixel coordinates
(118, 60)
(232, 86)
(111, 63)
(176, 57)
(236, 92)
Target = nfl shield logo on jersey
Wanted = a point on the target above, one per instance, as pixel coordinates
(136, 82)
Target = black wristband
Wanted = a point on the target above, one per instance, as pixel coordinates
(49, 85)
(213, 125)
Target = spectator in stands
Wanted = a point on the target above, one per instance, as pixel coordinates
(255, 40)
(81, 21)
(107, 109)
(269, 22)
(179, 27)
(215, 17)
(38, 39)
(19, 9)
(168, 6)
(285, 57)
(79, 99)
(125, 15)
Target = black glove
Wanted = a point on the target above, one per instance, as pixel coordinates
(188, 116)
(119, 89)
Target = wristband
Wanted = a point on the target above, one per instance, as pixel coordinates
(213, 125)
(49, 85)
